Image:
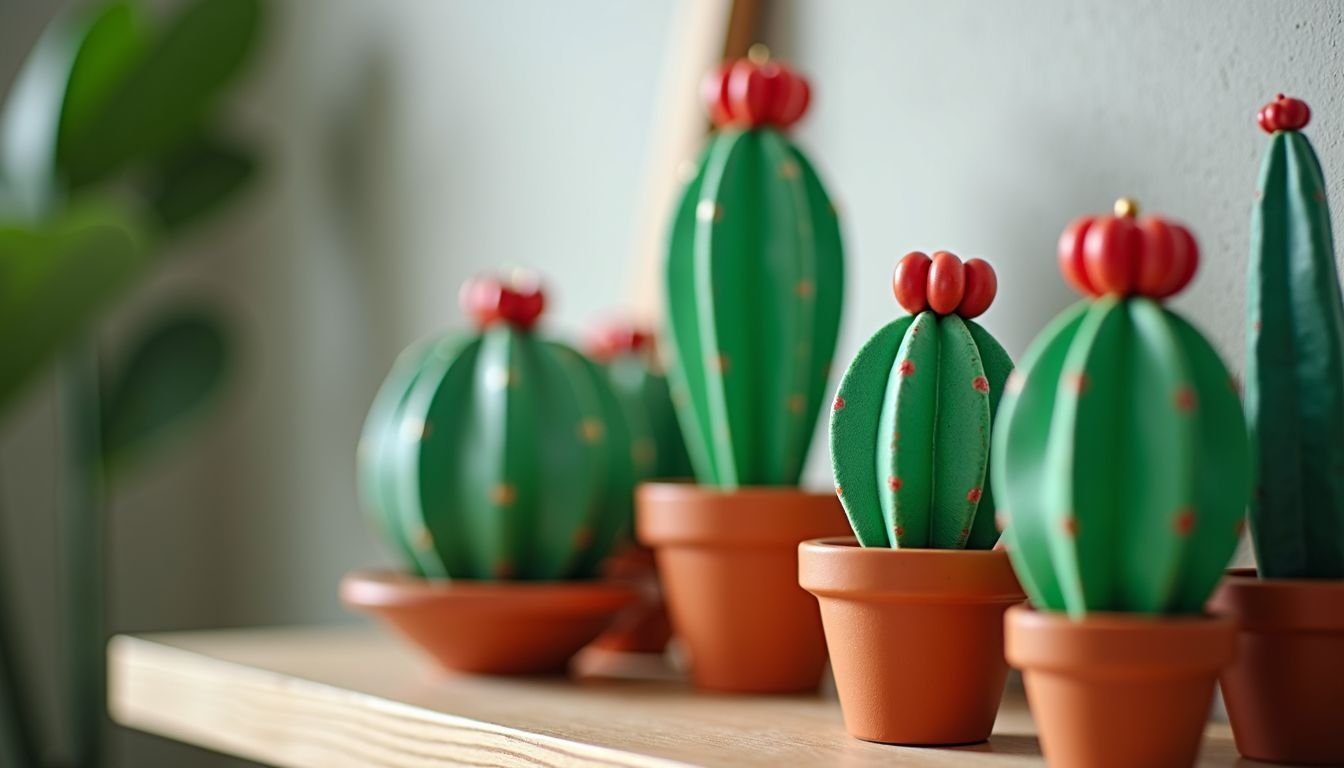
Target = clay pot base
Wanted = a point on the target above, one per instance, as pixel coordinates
(1118, 690)
(916, 637)
(1285, 691)
(495, 628)
(729, 565)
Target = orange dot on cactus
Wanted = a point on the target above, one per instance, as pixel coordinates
(980, 384)
(1185, 399)
(895, 483)
(1079, 382)
(839, 491)
(900, 531)
(1185, 521)
(974, 495)
(838, 404)
(906, 368)
(1070, 526)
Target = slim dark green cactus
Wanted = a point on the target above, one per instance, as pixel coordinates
(1121, 462)
(754, 282)
(1295, 360)
(498, 456)
(910, 426)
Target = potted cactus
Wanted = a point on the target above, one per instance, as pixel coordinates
(1285, 693)
(498, 467)
(754, 281)
(910, 439)
(1121, 465)
(626, 355)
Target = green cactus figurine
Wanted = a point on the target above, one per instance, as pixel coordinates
(910, 427)
(754, 281)
(1121, 457)
(499, 456)
(1295, 360)
(627, 358)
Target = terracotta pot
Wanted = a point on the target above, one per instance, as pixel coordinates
(1285, 692)
(644, 626)
(915, 635)
(1118, 689)
(729, 564)
(496, 627)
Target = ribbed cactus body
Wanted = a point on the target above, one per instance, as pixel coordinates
(910, 434)
(1295, 369)
(754, 280)
(657, 447)
(501, 456)
(1121, 462)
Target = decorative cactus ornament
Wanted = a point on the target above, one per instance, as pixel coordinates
(1121, 460)
(500, 455)
(1295, 359)
(754, 280)
(910, 427)
(626, 356)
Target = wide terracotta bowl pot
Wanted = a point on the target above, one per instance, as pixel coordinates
(915, 637)
(1285, 691)
(643, 627)
(729, 565)
(496, 627)
(1118, 690)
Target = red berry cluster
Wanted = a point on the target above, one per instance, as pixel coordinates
(944, 284)
(489, 300)
(607, 342)
(751, 93)
(1284, 113)
(1125, 255)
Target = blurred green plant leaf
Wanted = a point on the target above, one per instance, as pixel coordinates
(166, 94)
(196, 179)
(113, 42)
(171, 374)
(54, 280)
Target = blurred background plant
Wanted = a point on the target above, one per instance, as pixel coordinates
(109, 148)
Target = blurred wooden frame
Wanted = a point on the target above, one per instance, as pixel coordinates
(703, 33)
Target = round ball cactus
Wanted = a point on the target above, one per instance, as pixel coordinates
(500, 455)
(754, 282)
(911, 424)
(1121, 462)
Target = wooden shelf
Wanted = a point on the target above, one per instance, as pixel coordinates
(354, 696)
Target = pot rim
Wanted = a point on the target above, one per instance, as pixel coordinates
(380, 589)
(838, 567)
(1114, 644)
(681, 514)
(1280, 605)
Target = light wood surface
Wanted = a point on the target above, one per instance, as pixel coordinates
(354, 696)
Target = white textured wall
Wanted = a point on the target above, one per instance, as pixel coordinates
(414, 142)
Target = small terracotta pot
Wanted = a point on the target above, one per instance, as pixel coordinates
(644, 626)
(1285, 692)
(729, 564)
(495, 627)
(915, 635)
(1119, 690)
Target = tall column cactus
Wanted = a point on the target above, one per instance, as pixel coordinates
(754, 281)
(1121, 455)
(1295, 359)
(497, 456)
(910, 427)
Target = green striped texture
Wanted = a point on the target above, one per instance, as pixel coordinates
(500, 456)
(657, 447)
(754, 278)
(910, 434)
(1121, 462)
(1295, 369)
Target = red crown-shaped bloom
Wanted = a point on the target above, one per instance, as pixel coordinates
(944, 284)
(489, 299)
(756, 91)
(1284, 113)
(611, 340)
(1125, 255)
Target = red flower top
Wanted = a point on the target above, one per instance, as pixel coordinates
(756, 91)
(1123, 254)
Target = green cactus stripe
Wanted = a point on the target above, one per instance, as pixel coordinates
(657, 448)
(1295, 369)
(905, 448)
(379, 434)
(1105, 477)
(616, 514)
(961, 438)
(998, 366)
(754, 274)
(1223, 474)
(1019, 453)
(854, 431)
